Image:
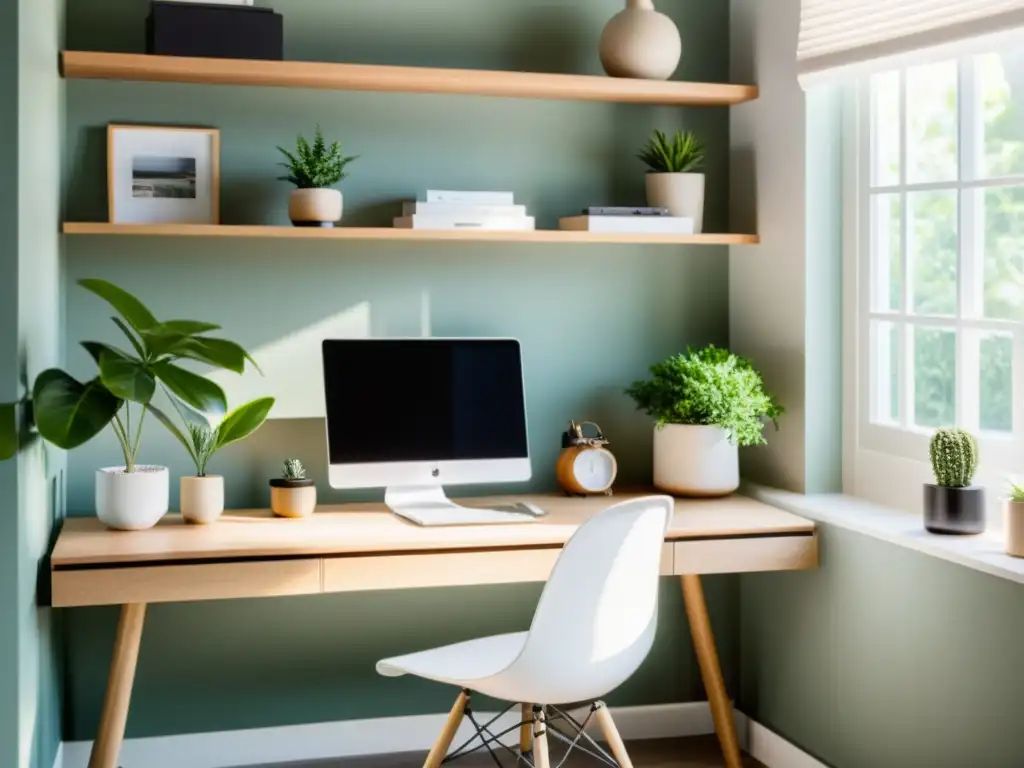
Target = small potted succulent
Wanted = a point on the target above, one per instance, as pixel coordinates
(314, 169)
(672, 182)
(292, 494)
(202, 495)
(1015, 520)
(951, 504)
(706, 403)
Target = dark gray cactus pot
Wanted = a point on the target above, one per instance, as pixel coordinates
(957, 511)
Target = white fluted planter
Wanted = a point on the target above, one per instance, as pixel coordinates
(681, 193)
(132, 501)
(202, 499)
(695, 460)
(640, 42)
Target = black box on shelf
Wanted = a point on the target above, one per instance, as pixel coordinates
(214, 31)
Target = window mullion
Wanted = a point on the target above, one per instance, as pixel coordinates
(906, 357)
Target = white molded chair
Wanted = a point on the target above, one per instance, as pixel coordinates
(594, 625)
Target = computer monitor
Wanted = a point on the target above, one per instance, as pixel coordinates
(413, 414)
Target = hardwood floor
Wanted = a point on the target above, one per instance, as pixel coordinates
(698, 752)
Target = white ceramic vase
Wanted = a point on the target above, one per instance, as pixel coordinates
(681, 193)
(640, 42)
(132, 501)
(695, 460)
(202, 499)
(1015, 528)
(315, 207)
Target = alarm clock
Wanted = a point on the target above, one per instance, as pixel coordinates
(585, 467)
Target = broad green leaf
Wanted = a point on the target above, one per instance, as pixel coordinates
(164, 419)
(126, 377)
(130, 308)
(8, 430)
(188, 414)
(184, 327)
(162, 344)
(219, 353)
(97, 348)
(69, 413)
(243, 421)
(196, 391)
(131, 336)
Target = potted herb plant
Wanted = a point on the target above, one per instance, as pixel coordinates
(706, 403)
(314, 169)
(1015, 520)
(68, 413)
(292, 494)
(951, 504)
(672, 181)
(202, 495)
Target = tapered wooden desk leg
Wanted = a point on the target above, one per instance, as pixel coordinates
(451, 726)
(707, 658)
(107, 747)
(540, 739)
(525, 728)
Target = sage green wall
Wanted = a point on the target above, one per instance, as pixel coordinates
(590, 318)
(886, 658)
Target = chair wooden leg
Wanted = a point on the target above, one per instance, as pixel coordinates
(525, 729)
(444, 741)
(611, 735)
(107, 747)
(707, 658)
(540, 739)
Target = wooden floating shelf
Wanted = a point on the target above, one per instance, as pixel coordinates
(411, 235)
(364, 77)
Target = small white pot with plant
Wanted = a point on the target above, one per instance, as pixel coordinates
(672, 181)
(292, 494)
(314, 169)
(1015, 520)
(202, 494)
(706, 404)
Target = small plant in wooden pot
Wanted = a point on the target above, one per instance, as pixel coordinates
(314, 169)
(951, 504)
(672, 181)
(706, 404)
(1015, 520)
(292, 494)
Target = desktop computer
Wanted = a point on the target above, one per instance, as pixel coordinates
(413, 415)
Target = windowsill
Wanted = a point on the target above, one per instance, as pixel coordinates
(983, 553)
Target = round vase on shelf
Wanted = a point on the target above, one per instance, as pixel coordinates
(132, 501)
(1015, 528)
(695, 460)
(292, 498)
(681, 193)
(955, 511)
(202, 499)
(315, 207)
(640, 42)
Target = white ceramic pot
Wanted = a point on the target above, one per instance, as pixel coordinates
(132, 501)
(681, 193)
(640, 42)
(695, 460)
(315, 207)
(1015, 528)
(202, 499)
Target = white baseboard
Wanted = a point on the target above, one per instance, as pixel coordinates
(352, 738)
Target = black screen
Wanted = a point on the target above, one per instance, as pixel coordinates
(424, 400)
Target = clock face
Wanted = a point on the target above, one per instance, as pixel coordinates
(594, 470)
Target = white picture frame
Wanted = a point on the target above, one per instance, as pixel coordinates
(163, 175)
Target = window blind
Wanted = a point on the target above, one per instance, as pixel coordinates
(841, 38)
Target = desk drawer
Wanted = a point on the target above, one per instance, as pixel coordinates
(746, 555)
(181, 583)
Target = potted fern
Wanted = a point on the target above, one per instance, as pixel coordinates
(1015, 520)
(292, 494)
(951, 504)
(706, 404)
(672, 181)
(314, 169)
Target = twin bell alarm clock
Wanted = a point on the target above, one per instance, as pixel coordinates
(585, 467)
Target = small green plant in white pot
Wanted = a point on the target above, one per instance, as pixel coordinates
(952, 505)
(292, 494)
(672, 178)
(314, 169)
(1015, 520)
(706, 404)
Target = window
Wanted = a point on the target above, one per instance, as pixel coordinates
(940, 256)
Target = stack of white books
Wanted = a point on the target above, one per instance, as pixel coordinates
(464, 210)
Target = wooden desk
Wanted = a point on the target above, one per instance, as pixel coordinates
(362, 547)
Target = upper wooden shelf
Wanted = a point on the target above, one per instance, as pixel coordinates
(411, 235)
(363, 77)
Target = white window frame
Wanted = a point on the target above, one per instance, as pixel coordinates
(888, 463)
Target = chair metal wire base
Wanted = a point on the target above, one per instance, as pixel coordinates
(571, 733)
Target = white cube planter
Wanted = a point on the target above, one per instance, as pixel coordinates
(681, 193)
(1015, 528)
(695, 460)
(202, 499)
(132, 501)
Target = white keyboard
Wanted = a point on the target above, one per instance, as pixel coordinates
(431, 515)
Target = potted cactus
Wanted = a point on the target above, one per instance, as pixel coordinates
(951, 504)
(292, 494)
(1015, 520)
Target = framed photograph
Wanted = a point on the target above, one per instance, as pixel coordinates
(163, 175)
